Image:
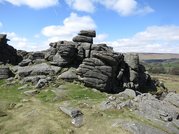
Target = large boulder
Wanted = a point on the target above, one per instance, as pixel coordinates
(100, 71)
(152, 108)
(89, 33)
(81, 38)
(38, 69)
(69, 75)
(62, 53)
(5, 72)
(36, 55)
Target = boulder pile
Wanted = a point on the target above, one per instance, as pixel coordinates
(163, 112)
(96, 65)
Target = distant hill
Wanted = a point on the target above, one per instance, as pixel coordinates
(158, 56)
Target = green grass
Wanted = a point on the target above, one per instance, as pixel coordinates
(9, 92)
(80, 92)
(46, 96)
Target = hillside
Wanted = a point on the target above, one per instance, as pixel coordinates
(158, 56)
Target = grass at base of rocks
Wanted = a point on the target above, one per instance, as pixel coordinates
(73, 92)
(10, 92)
(80, 92)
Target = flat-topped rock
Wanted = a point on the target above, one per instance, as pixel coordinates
(81, 38)
(89, 33)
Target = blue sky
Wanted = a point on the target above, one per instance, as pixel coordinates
(126, 25)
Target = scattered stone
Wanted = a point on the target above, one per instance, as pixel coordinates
(19, 105)
(75, 114)
(41, 83)
(25, 62)
(129, 92)
(31, 92)
(69, 75)
(11, 106)
(23, 87)
(25, 100)
(33, 79)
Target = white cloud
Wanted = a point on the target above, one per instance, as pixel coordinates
(82, 5)
(22, 43)
(1, 25)
(126, 7)
(71, 26)
(37, 4)
(100, 38)
(122, 7)
(164, 39)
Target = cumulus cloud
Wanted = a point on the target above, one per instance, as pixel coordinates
(126, 7)
(37, 4)
(154, 39)
(122, 7)
(82, 5)
(71, 26)
(22, 43)
(100, 38)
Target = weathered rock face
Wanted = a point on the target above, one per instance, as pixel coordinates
(97, 65)
(62, 53)
(38, 69)
(7, 53)
(114, 73)
(106, 71)
(5, 72)
(163, 113)
(95, 73)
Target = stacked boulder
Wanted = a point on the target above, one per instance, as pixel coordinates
(85, 41)
(108, 71)
(100, 71)
(98, 65)
(7, 53)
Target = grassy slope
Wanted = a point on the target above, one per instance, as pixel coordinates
(39, 114)
(170, 81)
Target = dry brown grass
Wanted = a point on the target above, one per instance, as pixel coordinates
(170, 81)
